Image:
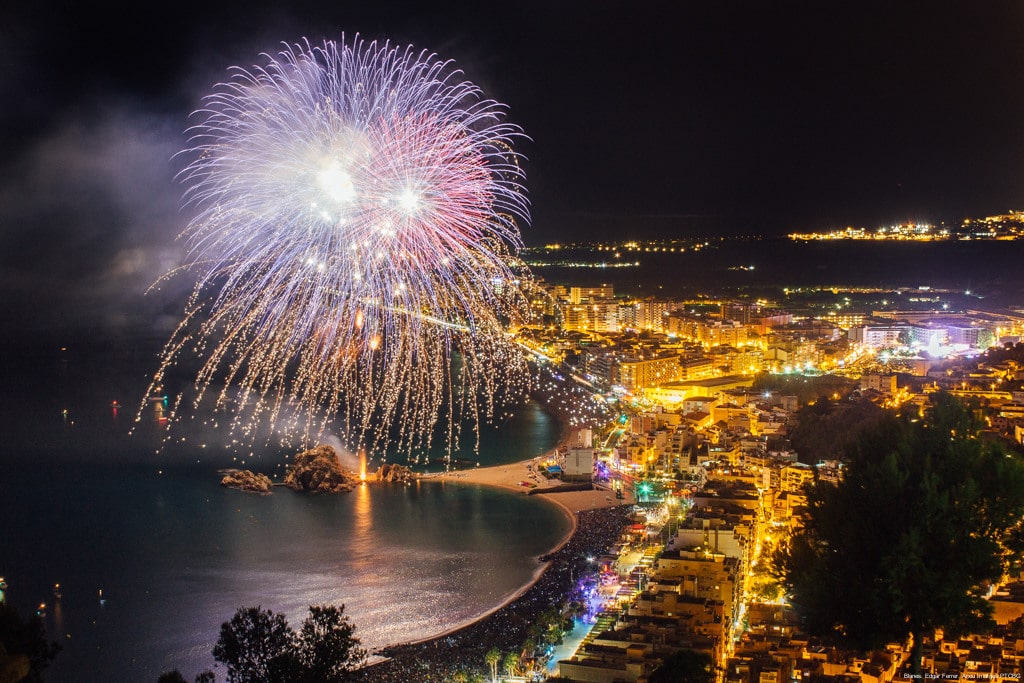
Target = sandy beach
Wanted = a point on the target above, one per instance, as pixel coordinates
(512, 477)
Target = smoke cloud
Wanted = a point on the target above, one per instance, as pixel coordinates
(89, 215)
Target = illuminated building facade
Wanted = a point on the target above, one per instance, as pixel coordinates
(636, 375)
(579, 295)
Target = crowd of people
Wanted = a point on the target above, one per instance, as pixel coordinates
(507, 629)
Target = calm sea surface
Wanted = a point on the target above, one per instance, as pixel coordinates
(989, 268)
(87, 506)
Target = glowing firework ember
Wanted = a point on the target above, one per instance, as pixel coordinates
(356, 211)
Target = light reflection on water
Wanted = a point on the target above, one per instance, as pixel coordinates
(176, 555)
(85, 505)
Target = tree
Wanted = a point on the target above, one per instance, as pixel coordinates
(492, 658)
(511, 664)
(257, 646)
(327, 647)
(529, 649)
(764, 582)
(828, 430)
(576, 609)
(25, 651)
(685, 666)
(926, 516)
(554, 634)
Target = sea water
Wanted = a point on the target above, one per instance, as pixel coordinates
(152, 555)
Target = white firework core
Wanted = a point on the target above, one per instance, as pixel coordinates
(356, 209)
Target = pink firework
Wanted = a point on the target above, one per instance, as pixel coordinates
(356, 224)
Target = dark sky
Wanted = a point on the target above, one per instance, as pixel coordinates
(646, 119)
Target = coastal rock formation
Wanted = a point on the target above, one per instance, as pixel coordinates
(318, 471)
(399, 473)
(246, 480)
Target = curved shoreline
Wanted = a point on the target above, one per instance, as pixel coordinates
(504, 477)
(596, 520)
(522, 590)
(508, 626)
(507, 477)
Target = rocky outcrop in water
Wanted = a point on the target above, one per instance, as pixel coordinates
(318, 471)
(246, 480)
(399, 473)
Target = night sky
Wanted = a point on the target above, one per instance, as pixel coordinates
(646, 119)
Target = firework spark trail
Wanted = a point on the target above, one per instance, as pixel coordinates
(356, 207)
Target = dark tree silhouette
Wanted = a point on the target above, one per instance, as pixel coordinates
(926, 517)
(828, 430)
(173, 676)
(685, 666)
(25, 651)
(256, 646)
(327, 647)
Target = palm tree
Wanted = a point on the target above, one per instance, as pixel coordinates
(492, 658)
(511, 664)
(576, 609)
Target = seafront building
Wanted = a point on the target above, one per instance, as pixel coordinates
(667, 353)
(688, 580)
(709, 457)
(626, 342)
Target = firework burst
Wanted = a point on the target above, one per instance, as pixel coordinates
(356, 214)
